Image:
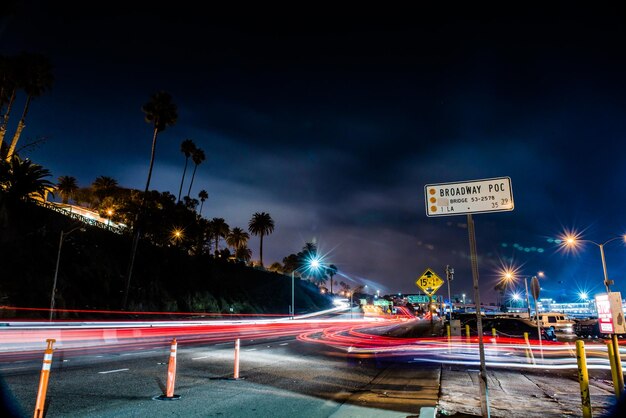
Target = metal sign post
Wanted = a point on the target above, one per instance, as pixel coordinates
(466, 198)
(482, 377)
(534, 286)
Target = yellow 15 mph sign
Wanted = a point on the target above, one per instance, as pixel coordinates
(429, 282)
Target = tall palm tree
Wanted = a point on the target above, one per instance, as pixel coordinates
(237, 238)
(203, 195)
(67, 186)
(37, 79)
(197, 157)
(10, 80)
(161, 112)
(331, 271)
(261, 224)
(24, 180)
(186, 147)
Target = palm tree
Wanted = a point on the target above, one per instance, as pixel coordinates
(24, 180)
(186, 147)
(261, 224)
(197, 157)
(203, 195)
(161, 112)
(243, 253)
(67, 186)
(237, 238)
(37, 79)
(331, 271)
(104, 186)
(219, 229)
(10, 80)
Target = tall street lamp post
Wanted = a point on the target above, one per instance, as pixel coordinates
(56, 270)
(570, 241)
(311, 264)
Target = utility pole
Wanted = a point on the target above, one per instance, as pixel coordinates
(450, 277)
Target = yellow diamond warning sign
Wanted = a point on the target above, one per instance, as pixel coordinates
(429, 282)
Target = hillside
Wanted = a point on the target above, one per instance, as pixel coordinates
(93, 265)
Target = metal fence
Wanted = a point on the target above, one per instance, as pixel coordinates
(117, 229)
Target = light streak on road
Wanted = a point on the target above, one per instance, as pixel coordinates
(355, 341)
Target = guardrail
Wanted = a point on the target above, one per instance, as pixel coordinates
(84, 219)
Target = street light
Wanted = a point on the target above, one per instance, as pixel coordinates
(312, 264)
(571, 240)
(56, 270)
(109, 215)
(511, 275)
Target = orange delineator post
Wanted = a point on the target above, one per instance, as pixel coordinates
(43, 380)
(236, 373)
(171, 371)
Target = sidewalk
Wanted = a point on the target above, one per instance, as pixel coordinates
(523, 394)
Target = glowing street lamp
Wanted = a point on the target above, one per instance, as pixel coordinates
(516, 297)
(177, 234)
(109, 215)
(511, 275)
(314, 264)
(572, 240)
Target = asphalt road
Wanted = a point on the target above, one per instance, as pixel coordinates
(284, 377)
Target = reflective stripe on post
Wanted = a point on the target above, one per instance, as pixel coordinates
(171, 376)
(236, 373)
(43, 380)
(171, 370)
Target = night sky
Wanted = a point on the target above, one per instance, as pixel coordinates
(334, 120)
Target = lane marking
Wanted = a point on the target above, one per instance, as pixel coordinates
(137, 354)
(14, 368)
(251, 349)
(113, 371)
(284, 344)
(198, 358)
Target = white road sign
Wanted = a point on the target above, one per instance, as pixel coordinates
(473, 196)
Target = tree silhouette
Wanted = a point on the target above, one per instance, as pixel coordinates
(67, 187)
(37, 78)
(197, 157)
(161, 112)
(24, 180)
(331, 271)
(261, 224)
(203, 196)
(187, 147)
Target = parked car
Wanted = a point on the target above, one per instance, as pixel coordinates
(590, 328)
(560, 321)
(511, 327)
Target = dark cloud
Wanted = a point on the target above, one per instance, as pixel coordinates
(334, 122)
